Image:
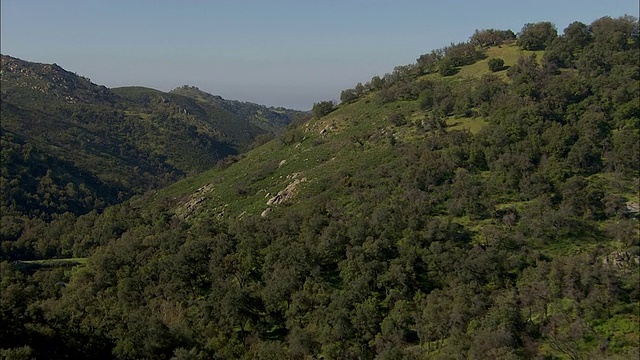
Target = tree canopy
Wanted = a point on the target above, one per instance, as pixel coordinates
(537, 36)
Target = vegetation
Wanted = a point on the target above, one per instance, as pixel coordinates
(322, 108)
(477, 215)
(491, 37)
(496, 64)
(70, 146)
(537, 36)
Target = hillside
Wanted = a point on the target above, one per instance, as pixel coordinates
(449, 209)
(113, 142)
(269, 119)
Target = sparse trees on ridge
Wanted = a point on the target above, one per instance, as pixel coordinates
(537, 36)
(491, 37)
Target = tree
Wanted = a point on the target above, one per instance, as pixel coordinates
(359, 89)
(616, 34)
(376, 83)
(564, 50)
(491, 37)
(348, 95)
(396, 119)
(447, 67)
(526, 76)
(537, 36)
(322, 108)
(463, 54)
(428, 63)
(496, 64)
(578, 35)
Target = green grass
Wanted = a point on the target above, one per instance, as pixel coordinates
(472, 124)
(312, 154)
(510, 53)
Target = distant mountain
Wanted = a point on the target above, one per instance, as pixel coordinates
(127, 140)
(272, 119)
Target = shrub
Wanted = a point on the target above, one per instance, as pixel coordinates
(496, 64)
(396, 119)
(322, 108)
(447, 67)
(463, 54)
(347, 96)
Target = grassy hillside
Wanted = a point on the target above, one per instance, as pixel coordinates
(509, 52)
(123, 141)
(440, 211)
(359, 134)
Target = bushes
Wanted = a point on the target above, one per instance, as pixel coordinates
(496, 64)
(491, 37)
(396, 119)
(447, 67)
(322, 108)
(537, 36)
(463, 54)
(348, 95)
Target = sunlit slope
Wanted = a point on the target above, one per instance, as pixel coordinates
(361, 136)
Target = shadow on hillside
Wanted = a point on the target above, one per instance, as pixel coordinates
(451, 71)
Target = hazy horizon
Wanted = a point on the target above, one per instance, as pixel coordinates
(280, 53)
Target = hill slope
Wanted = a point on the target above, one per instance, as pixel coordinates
(267, 118)
(436, 213)
(127, 140)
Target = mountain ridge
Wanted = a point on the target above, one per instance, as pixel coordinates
(130, 139)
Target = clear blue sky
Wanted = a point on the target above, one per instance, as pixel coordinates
(281, 52)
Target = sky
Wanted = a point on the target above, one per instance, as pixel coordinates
(277, 53)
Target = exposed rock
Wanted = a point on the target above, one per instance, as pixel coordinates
(287, 194)
(194, 201)
(633, 208)
(265, 212)
(220, 211)
(621, 260)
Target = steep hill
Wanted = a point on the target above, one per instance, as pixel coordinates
(127, 140)
(267, 118)
(444, 210)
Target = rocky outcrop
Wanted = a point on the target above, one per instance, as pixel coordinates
(191, 205)
(286, 194)
(632, 208)
(621, 260)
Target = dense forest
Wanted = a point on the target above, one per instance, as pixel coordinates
(481, 203)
